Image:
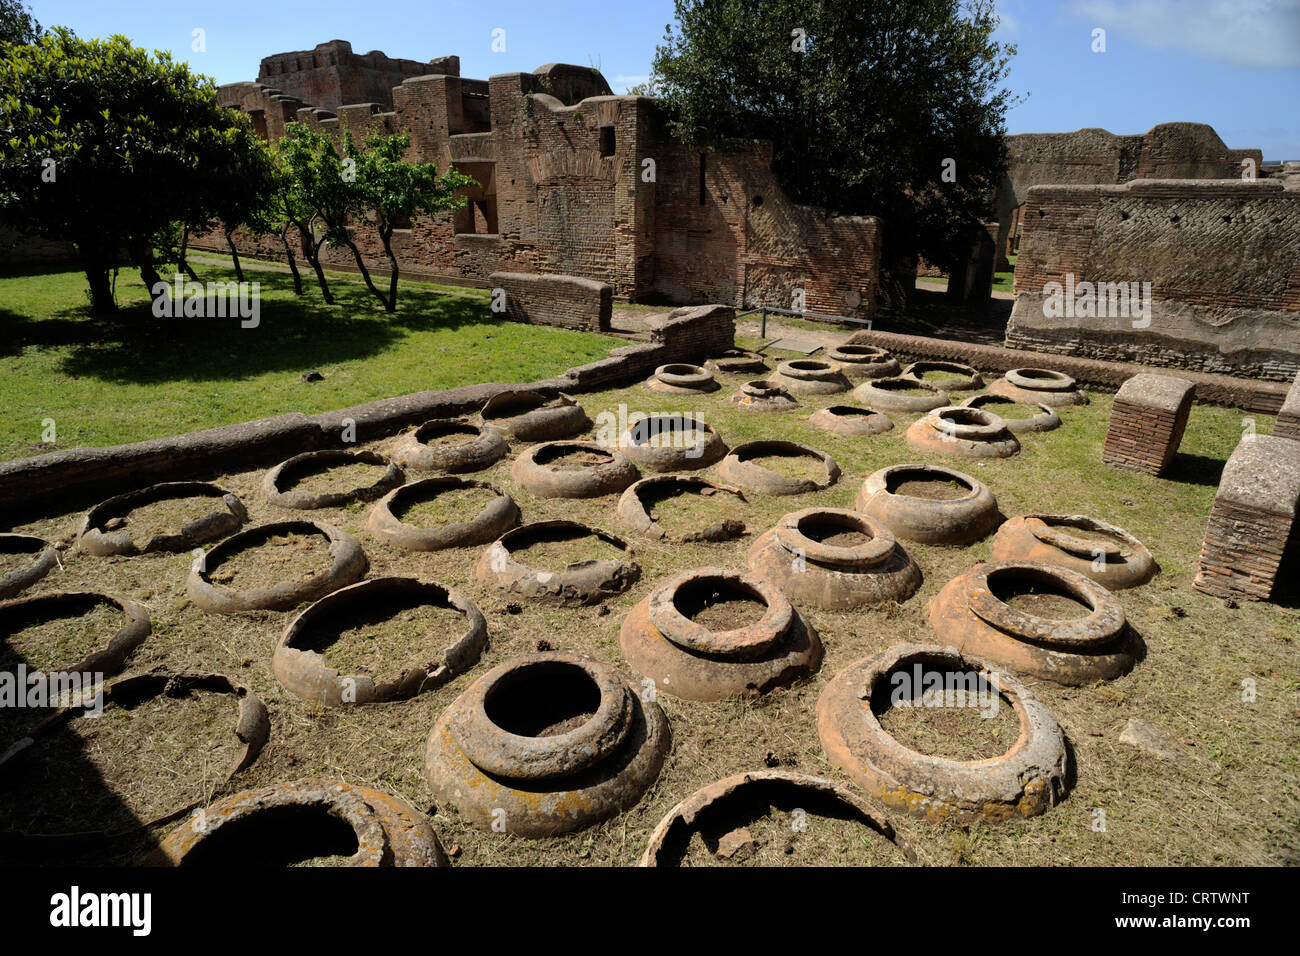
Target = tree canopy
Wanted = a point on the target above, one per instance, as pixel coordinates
(107, 146)
(864, 103)
(16, 24)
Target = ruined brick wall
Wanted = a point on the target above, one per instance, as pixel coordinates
(1098, 157)
(725, 231)
(563, 190)
(1223, 260)
(568, 302)
(331, 75)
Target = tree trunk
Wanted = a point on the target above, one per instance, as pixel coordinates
(234, 254)
(309, 251)
(143, 258)
(293, 262)
(391, 304)
(96, 268)
(365, 274)
(182, 261)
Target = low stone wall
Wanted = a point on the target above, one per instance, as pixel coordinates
(1215, 264)
(80, 477)
(1251, 396)
(567, 302)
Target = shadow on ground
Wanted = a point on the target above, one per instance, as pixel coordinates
(293, 334)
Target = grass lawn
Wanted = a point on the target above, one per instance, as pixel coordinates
(133, 376)
(1233, 798)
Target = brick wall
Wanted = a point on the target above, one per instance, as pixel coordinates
(1223, 260)
(1288, 418)
(1095, 156)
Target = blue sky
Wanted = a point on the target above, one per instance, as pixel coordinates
(1234, 64)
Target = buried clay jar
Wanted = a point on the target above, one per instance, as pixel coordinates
(449, 446)
(682, 379)
(860, 362)
(494, 519)
(583, 581)
(546, 744)
(835, 559)
(665, 443)
(764, 396)
(1074, 632)
(1027, 780)
(530, 416)
(962, 432)
(929, 504)
(708, 634)
(1109, 555)
(300, 665)
(811, 377)
(1039, 386)
(572, 469)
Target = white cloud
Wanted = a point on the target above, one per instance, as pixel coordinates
(1257, 33)
(626, 81)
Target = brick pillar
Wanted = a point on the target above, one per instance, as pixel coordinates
(1253, 520)
(1288, 419)
(1147, 422)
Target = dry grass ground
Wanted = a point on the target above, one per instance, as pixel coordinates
(1232, 800)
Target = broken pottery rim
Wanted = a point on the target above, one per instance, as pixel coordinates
(492, 520)
(964, 377)
(308, 673)
(501, 753)
(298, 500)
(790, 536)
(498, 565)
(685, 813)
(633, 510)
(93, 539)
(1046, 528)
(1104, 623)
(389, 831)
(252, 722)
(751, 640)
(349, 565)
(112, 657)
(20, 579)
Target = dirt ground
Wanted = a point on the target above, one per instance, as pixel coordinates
(1223, 681)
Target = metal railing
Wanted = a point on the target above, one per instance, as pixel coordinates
(764, 310)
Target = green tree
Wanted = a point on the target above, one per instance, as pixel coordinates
(345, 187)
(394, 191)
(864, 102)
(103, 145)
(16, 24)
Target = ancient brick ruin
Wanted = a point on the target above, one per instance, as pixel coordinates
(1093, 157)
(1147, 423)
(576, 181)
(1251, 534)
(1190, 274)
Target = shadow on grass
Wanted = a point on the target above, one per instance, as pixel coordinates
(1191, 469)
(293, 334)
